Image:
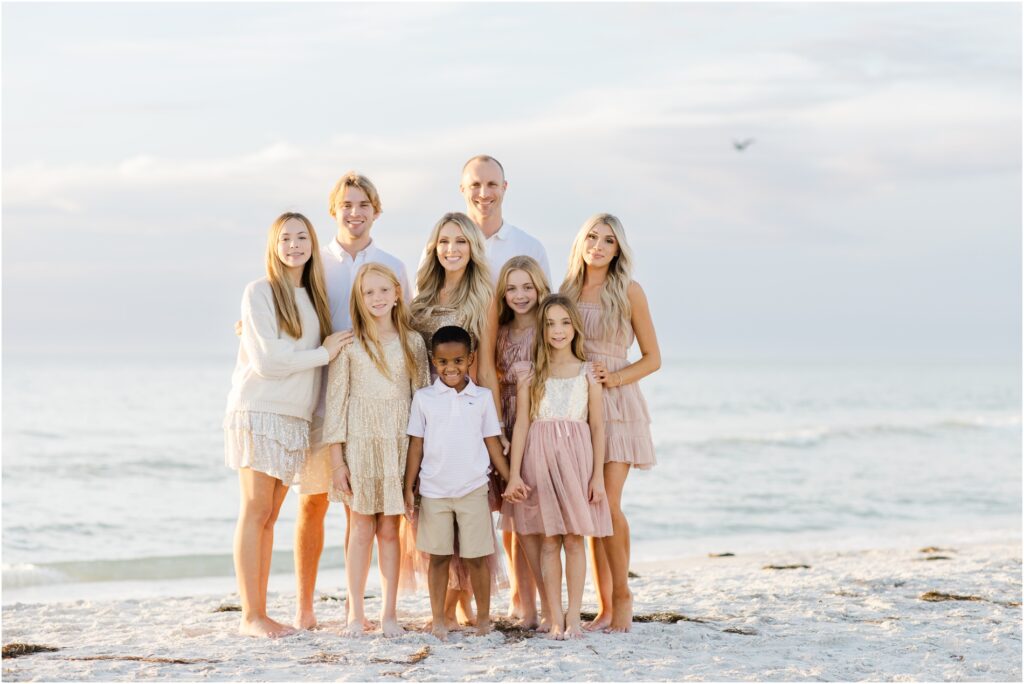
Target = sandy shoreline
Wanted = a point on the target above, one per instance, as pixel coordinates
(851, 615)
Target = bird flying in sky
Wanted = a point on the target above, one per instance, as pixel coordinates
(741, 145)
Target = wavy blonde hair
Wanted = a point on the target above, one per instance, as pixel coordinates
(287, 309)
(473, 295)
(541, 357)
(351, 179)
(617, 311)
(529, 266)
(365, 328)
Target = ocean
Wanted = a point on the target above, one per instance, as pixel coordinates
(114, 481)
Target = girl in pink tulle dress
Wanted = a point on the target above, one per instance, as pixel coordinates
(521, 285)
(558, 452)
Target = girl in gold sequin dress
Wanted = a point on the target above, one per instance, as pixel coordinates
(370, 388)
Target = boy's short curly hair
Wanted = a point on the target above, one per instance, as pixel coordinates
(451, 333)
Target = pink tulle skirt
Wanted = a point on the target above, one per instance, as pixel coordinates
(557, 467)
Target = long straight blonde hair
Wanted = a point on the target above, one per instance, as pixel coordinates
(529, 266)
(473, 294)
(288, 319)
(617, 311)
(365, 328)
(541, 355)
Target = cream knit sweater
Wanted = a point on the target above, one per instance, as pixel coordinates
(276, 373)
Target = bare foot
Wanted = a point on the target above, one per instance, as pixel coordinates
(483, 627)
(622, 613)
(466, 617)
(355, 627)
(263, 627)
(369, 625)
(450, 625)
(441, 633)
(573, 629)
(304, 620)
(391, 628)
(544, 626)
(557, 633)
(602, 621)
(515, 606)
(528, 622)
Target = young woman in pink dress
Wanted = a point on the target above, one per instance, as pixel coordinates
(615, 312)
(520, 288)
(558, 452)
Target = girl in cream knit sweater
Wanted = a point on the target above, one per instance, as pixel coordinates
(286, 336)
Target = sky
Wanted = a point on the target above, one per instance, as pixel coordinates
(148, 147)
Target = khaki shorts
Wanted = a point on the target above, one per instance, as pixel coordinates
(315, 475)
(435, 533)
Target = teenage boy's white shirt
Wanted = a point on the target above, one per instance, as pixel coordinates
(509, 242)
(340, 270)
(453, 426)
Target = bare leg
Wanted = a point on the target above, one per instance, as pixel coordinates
(575, 576)
(617, 548)
(602, 585)
(267, 539)
(256, 511)
(514, 604)
(551, 570)
(531, 548)
(525, 585)
(388, 562)
(480, 577)
(357, 560)
(309, 544)
(437, 582)
(452, 597)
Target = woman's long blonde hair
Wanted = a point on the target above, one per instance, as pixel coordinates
(529, 266)
(365, 328)
(288, 319)
(473, 294)
(541, 357)
(615, 306)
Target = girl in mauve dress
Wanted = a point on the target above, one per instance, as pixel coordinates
(615, 312)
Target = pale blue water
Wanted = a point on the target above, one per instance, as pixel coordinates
(113, 471)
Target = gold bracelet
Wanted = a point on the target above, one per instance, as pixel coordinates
(339, 467)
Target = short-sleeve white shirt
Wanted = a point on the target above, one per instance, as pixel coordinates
(509, 242)
(340, 270)
(453, 426)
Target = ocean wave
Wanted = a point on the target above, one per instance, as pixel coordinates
(20, 575)
(815, 435)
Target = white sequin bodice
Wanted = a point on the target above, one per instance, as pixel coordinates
(565, 398)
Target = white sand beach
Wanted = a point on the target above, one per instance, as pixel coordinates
(851, 615)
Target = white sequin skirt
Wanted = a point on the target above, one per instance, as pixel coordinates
(266, 442)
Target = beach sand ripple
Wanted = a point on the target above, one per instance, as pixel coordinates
(848, 616)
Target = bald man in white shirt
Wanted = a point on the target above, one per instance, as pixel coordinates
(483, 187)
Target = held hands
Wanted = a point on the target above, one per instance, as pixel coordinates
(335, 342)
(516, 491)
(410, 504)
(596, 490)
(604, 376)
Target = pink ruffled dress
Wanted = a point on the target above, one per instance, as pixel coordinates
(514, 358)
(627, 423)
(558, 464)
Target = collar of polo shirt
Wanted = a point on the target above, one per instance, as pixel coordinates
(471, 389)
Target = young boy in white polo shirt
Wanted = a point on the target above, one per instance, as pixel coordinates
(453, 437)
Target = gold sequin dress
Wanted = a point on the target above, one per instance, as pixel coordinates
(368, 412)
